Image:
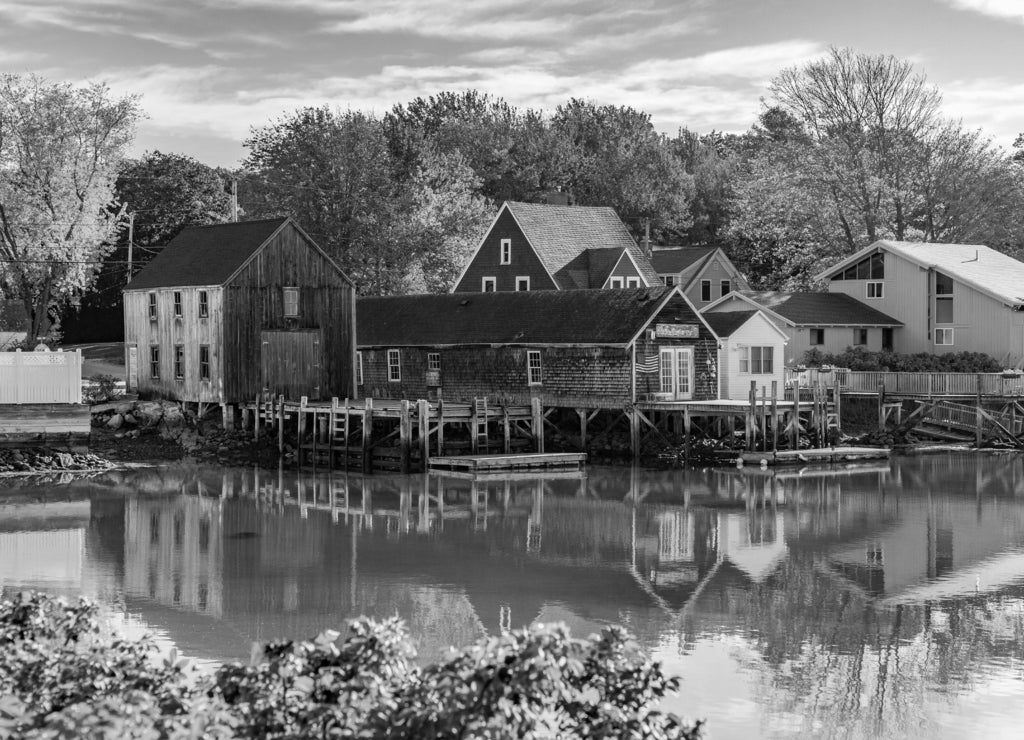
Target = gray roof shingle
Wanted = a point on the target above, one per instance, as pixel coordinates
(820, 309)
(724, 323)
(525, 317)
(676, 259)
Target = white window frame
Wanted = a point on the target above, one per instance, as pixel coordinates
(668, 280)
(152, 306)
(810, 336)
(178, 362)
(434, 362)
(394, 366)
(705, 284)
(633, 281)
(874, 289)
(856, 337)
(506, 251)
(359, 367)
(747, 356)
(944, 332)
(204, 378)
(204, 304)
(493, 281)
(287, 291)
(725, 286)
(522, 279)
(615, 281)
(534, 367)
(179, 304)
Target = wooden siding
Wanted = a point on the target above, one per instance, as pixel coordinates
(487, 261)
(705, 351)
(254, 303)
(624, 268)
(166, 331)
(757, 332)
(716, 271)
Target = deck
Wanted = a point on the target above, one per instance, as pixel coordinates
(815, 455)
(510, 463)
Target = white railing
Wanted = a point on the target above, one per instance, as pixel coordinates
(917, 384)
(41, 377)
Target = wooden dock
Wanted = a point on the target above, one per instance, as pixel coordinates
(60, 424)
(510, 463)
(815, 455)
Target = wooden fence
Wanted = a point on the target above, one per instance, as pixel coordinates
(40, 377)
(912, 384)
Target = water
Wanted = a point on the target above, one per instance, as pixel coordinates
(886, 600)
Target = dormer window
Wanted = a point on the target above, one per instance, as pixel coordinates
(506, 251)
(291, 303)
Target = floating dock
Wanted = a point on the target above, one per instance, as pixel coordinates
(510, 463)
(815, 455)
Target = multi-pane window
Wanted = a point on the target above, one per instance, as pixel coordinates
(489, 284)
(726, 286)
(434, 361)
(668, 279)
(757, 360)
(152, 306)
(875, 289)
(817, 336)
(943, 299)
(154, 362)
(359, 368)
(523, 282)
(177, 305)
(291, 302)
(871, 267)
(204, 304)
(204, 362)
(506, 251)
(860, 337)
(179, 361)
(705, 290)
(944, 337)
(534, 371)
(394, 365)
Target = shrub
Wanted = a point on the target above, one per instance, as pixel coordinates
(61, 675)
(860, 359)
(101, 388)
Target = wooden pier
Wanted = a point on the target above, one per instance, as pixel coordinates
(510, 463)
(817, 455)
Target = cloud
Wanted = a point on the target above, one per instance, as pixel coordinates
(995, 105)
(1005, 9)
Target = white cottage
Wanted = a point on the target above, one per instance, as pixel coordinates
(751, 349)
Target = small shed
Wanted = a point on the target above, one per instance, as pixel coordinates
(585, 348)
(751, 350)
(230, 311)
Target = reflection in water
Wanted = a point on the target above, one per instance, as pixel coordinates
(874, 601)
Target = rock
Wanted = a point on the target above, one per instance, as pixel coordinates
(148, 413)
(64, 460)
(115, 421)
(125, 407)
(130, 419)
(172, 416)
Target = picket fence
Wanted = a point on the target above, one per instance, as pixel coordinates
(40, 377)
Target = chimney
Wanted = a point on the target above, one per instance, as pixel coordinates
(646, 243)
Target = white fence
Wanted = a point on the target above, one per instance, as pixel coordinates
(912, 384)
(41, 377)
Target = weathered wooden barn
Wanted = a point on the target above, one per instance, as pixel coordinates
(229, 311)
(584, 348)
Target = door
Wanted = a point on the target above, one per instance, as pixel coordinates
(676, 373)
(290, 363)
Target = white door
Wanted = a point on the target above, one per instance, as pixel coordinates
(677, 373)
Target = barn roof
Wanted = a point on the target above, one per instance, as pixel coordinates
(560, 234)
(677, 259)
(813, 309)
(206, 255)
(524, 317)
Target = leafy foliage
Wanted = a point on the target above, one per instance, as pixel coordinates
(858, 358)
(61, 675)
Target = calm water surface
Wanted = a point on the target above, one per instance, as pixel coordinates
(879, 601)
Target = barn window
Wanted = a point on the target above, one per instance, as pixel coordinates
(875, 289)
(177, 304)
(534, 371)
(944, 337)
(757, 360)
(615, 282)
(152, 306)
(154, 362)
(434, 361)
(705, 290)
(359, 368)
(291, 302)
(633, 282)
(394, 365)
(204, 304)
(668, 279)
(522, 282)
(204, 362)
(179, 361)
(488, 285)
(506, 251)
(817, 336)
(726, 287)
(860, 337)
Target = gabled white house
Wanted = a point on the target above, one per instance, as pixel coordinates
(704, 274)
(751, 349)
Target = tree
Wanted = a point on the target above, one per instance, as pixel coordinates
(60, 148)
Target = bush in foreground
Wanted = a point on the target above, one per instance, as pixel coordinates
(62, 676)
(863, 360)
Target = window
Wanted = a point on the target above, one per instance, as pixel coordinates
(944, 337)
(757, 360)
(394, 365)
(860, 337)
(204, 362)
(488, 285)
(871, 267)
(359, 368)
(506, 251)
(204, 304)
(534, 372)
(705, 290)
(817, 336)
(887, 339)
(726, 286)
(668, 279)
(615, 282)
(291, 302)
(179, 361)
(177, 304)
(434, 361)
(943, 299)
(633, 282)
(522, 282)
(154, 362)
(152, 306)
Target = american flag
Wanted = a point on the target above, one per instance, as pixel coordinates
(648, 363)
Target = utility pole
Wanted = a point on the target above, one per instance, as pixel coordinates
(234, 200)
(131, 245)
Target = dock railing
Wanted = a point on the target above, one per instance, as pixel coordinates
(40, 377)
(911, 384)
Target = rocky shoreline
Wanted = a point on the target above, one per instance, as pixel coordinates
(45, 461)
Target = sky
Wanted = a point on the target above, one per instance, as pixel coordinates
(210, 70)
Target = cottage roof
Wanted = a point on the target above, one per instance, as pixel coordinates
(983, 268)
(724, 323)
(525, 317)
(560, 234)
(206, 255)
(813, 309)
(676, 259)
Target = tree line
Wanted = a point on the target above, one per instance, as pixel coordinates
(848, 149)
